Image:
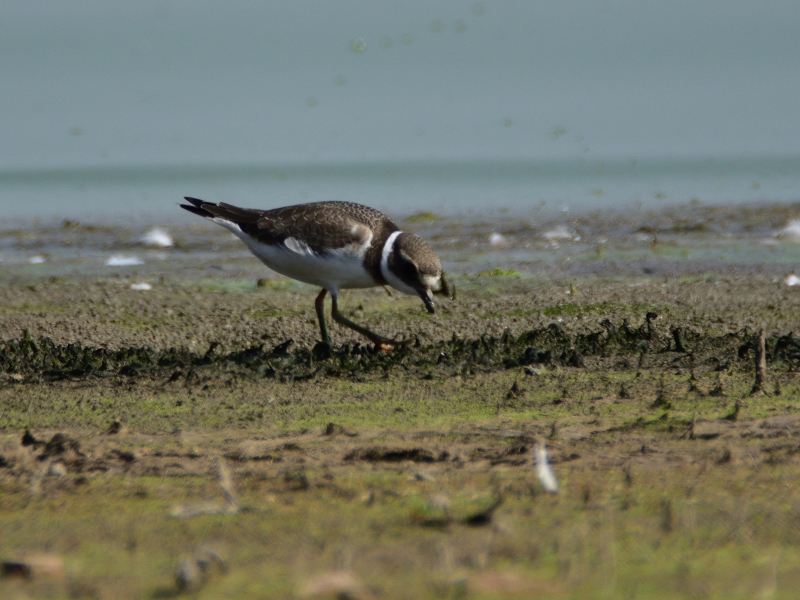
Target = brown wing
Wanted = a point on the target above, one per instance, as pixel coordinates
(320, 225)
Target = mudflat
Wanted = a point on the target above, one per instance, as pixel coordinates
(192, 437)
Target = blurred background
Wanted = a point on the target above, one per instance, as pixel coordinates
(116, 110)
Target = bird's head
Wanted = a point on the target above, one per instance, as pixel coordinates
(413, 267)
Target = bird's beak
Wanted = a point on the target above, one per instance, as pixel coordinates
(426, 298)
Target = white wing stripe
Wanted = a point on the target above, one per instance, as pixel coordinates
(298, 246)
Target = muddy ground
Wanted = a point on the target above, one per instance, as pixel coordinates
(197, 429)
(174, 442)
(106, 313)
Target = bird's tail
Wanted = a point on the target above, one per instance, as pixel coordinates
(228, 212)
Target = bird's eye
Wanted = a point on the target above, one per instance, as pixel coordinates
(407, 262)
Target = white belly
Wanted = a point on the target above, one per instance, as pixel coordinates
(333, 271)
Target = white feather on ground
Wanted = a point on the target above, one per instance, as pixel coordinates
(792, 280)
(791, 232)
(119, 260)
(498, 240)
(543, 470)
(557, 234)
(157, 238)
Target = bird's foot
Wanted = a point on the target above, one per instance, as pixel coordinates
(382, 343)
(322, 350)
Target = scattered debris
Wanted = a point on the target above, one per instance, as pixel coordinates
(61, 444)
(188, 576)
(207, 556)
(662, 400)
(498, 240)
(792, 280)
(230, 506)
(761, 364)
(558, 234)
(34, 567)
(791, 232)
(334, 429)
(58, 455)
(516, 391)
(119, 260)
(123, 455)
(483, 516)
(439, 510)
(28, 439)
(35, 482)
(678, 339)
(115, 428)
(379, 454)
(717, 390)
(690, 432)
(543, 470)
(194, 570)
(734, 414)
(157, 238)
(57, 469)
(509, 584)
(667, 516)
(296, 480)
(335, 584)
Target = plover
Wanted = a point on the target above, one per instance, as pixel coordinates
(334, 245)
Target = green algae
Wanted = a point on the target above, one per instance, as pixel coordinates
(498, 272)
(29, 359)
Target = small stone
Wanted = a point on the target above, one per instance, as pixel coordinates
(188, 575)
(114, 428)
(206, 557)
(334, 584)
(57, 469)
(34, 567)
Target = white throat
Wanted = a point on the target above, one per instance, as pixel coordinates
(392, 279)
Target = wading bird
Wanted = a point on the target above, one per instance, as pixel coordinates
(334, 245)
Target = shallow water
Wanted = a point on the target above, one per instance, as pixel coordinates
(683, 240)
(452, 188)
(460, 107)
